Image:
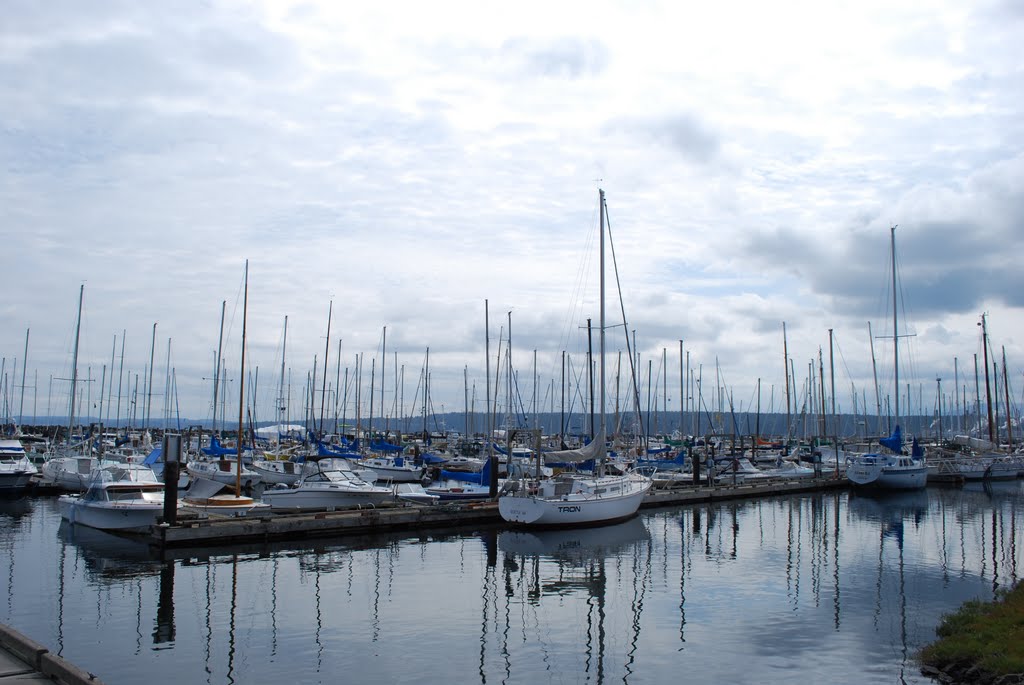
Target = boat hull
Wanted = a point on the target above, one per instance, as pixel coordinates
(134, 516)
(15, 481)
(303, 499)
(580, 508)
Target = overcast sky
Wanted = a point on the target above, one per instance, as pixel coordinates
(403, 164)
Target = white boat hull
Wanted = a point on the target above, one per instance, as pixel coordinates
(578, 507)
(15, 480)
(133, 515)
(326, 498)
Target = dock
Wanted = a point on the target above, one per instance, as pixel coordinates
(23, 660)
(397, 518)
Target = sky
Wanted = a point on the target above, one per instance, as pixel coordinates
(404, 166)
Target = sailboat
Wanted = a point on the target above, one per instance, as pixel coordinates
(576, 499)
(893, 470)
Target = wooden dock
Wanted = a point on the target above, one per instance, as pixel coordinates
(23, 660)
(288, 527)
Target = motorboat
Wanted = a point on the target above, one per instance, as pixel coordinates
(274, 471)
(225, 471)
(122, 497)
(73, 472)
(16, 470)
(395, 469)
(414, 493)
(326, 485)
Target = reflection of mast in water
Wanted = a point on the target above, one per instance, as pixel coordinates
(835, 560)
(60, 598)
(273, 605)
(640, 583)
(793, 552)
(164, 630)
(578, 559)
(735, 530)
(596, 603)
(489, 603)
(231, 617)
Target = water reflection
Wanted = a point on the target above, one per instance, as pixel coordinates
(594, 570)
(851, 585)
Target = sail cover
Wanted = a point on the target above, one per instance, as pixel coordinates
(894, 441)
(591, 450)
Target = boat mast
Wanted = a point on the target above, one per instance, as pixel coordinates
(241, 387)
(74, 363)
(216, 366)
(24, 366)
(785, 370)
(988, 389)
(281, 406)
(149, 385)
(120, 378)
(1006, 391)
(323, 386)
(601, 346)
(895, 331)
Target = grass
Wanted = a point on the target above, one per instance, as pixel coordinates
(988, 636)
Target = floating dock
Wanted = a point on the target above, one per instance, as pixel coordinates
(287, 527)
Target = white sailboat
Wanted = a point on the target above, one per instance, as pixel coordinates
(576, 499)
(894, 470)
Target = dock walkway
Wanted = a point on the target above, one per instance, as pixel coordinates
(288, 527)
(23, 660)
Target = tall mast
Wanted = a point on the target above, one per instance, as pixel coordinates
(785, 370)
(1006, 391)
(24, 365)
(241, 387)
(383, 359)
(281, 405)
(216, 365)
(682, 391)
(120, 377)
(988, 389)
(74, 363)
(895, 331)
(149, 385)
(327, 349)
(601, 404)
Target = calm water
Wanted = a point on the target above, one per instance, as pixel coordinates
(835, 586)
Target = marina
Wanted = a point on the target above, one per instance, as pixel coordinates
(739, 585)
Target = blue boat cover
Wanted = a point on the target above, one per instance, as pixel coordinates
(431, 458)
(894, 441)
(483, 477)
(217, 450)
